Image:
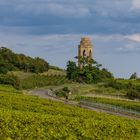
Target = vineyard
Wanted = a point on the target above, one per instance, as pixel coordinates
(120, 103)
(37, 80)
(29, 117)
(55, 72)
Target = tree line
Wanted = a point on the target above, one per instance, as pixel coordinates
(10, 61)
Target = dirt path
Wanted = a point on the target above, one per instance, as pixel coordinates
(45, 93)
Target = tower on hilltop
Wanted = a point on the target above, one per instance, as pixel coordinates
(85, 50)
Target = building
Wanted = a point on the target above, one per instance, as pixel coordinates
(85, 50)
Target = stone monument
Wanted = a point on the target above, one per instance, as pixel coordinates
(85, 50)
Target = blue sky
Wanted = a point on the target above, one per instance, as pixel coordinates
(52, 29)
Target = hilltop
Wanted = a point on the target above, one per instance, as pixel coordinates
(10, 61)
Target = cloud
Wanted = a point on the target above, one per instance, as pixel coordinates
(113, 51)
(68, 10)
(113, 9)
(38, 8)
(69, 17)
(134, 37)
(52, 29)
(136, 5)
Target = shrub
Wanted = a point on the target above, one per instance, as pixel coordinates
(64, 92)
(10, 79)
(133, 94)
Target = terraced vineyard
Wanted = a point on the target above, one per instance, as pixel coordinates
(29, 117)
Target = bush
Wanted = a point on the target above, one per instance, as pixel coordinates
(60, 93)
(5, 67)
(64, 92)
(10, 79)
(133, 94)
(3, 70)
(134, 76)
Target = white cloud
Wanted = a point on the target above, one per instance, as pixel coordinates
(61, 8)
(136, 4)
(130, 47)
(113, 51)
(133, 37)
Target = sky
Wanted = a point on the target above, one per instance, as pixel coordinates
(52, 29)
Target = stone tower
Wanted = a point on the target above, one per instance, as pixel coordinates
(84, 50)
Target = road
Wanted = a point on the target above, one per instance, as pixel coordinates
(45, 93)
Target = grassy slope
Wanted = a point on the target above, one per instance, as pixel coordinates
(28, 117)
(23, 75)
(55, 72)
(32, 80)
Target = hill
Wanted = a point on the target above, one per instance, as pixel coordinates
(10, 61)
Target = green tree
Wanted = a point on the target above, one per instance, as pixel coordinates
(134, 76)
(21, 62)
(72, 70)
(90, 72)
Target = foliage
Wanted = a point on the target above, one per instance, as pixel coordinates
(55, 72)
(24, 80)
(90, 72)
(55, 68)
(72, 71)
(5, 67)
(134, 76)
(64, 92)
(28, 117)
(133, 94)
(38, 80)
(9, 89)
(132, 88)
(11, 61)
(116, 85)
(10, 79)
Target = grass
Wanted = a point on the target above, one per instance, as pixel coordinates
(55, 72)
(32, 80)
(22, 75)
(8, 89)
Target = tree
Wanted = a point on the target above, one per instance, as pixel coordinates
(21, 62)
(72, 70)
(90, 72)
(133, 94)
(134, 76)
(5, 67)
(106, 74)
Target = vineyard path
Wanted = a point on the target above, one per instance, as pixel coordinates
(45, 93)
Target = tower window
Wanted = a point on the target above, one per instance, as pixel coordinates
(84, 53)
